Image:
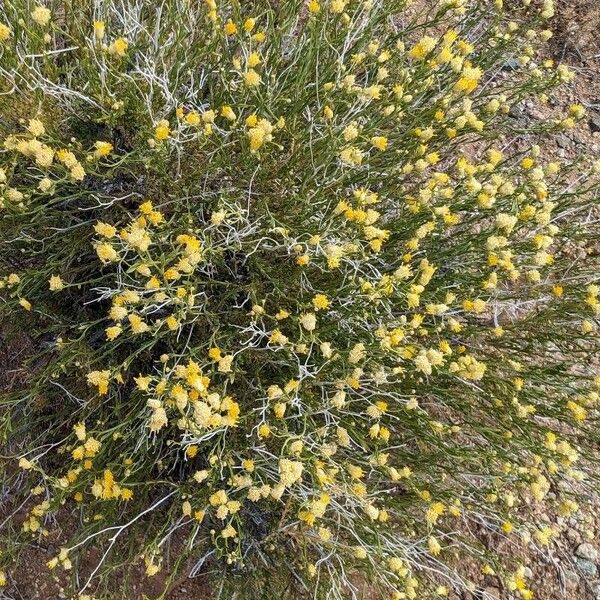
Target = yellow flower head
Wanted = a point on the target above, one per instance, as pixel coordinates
(99, 30)
(119, 47)
(56, 283)
(5, 32)
(41, 15)
(162, 130)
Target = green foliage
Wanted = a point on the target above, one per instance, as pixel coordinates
(302, 307)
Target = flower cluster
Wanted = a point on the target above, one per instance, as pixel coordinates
(297, 304)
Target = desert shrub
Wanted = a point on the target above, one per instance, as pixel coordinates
(311, 302)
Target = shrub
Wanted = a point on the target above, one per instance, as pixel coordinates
(309, 299)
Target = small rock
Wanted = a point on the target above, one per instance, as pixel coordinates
(528, 573)
(587, 567)
(512, 64)
(594, 122)
(562, 140)
(597, 591)
(573, 536)
(571, 579)
(491, 592)
(587, 551)
(515, 112)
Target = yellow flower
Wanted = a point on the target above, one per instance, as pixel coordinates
(172, 322)
(251, 78)
(290, 471)
(77, 173)
(469, 79)
(78, 453)
(527, 163)
(25, 304)
(249, 24)
(45, 184)
(113, 332)
(138, 325)
(126, 494)
(192, 118)
(208, 116)
(106, 253)
(214, 353)
(229, 532)
(105, 230)
(308, 321)
(507, 527)
(67, 158)
(337, 6)
(434, 546)
(423, 48)
(41, 15)
(100, 379)
(321, 302)
(253, 60)
(587, 326)
(102, 149)
(56, 283)
(380, 142)
(264, 431)
(230, 28)
(119, 47)
(162, 130)
(227, 112)
(352, 156)
(151, 568)
(577, 111)
(314, 7)
(224, 365)
(36, 127)
(5, 32)
(99, 30)
(25, 464)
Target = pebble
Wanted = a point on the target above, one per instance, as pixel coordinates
(587, 551)
(571, 579)
(597, 591)
(511, 64)
(587, 567)
(573, 536)
(491, 592)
